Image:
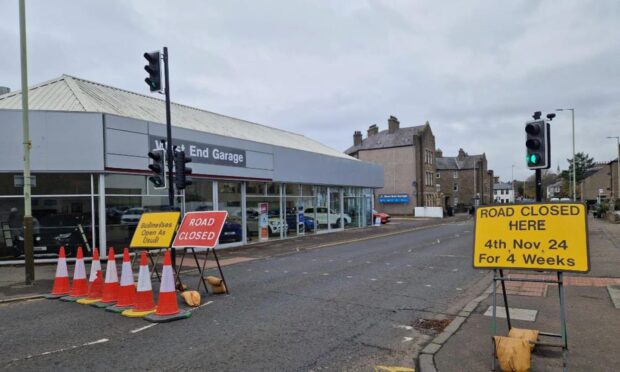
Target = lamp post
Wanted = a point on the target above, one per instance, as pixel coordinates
(618, 160)
(572, 110)
(512, 182)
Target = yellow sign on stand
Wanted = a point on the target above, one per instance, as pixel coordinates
(155, 230)
(551, 236)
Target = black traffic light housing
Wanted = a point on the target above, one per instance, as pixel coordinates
(158, 166)
(537, 144)
(181, 179)
(154, 70)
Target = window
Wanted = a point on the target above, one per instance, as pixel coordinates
(428, 157)
(437, 175)
(429, 179)
(455, 174)
(455, 187)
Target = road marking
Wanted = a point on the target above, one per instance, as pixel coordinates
(455, 270)
(387, 263)
(428, 285)
(100, 341)
(447, 255)
(399, 282)
(198, 307)
(285, 271)
(409, 328)
(408, 265)
(266, 271)
(431, 267)
(349, 277)
(368, 262)
(349, 261)
(325, 274)
(407, 339)
(459, 289)
(143, 328)
(373, 279)
(305, 272)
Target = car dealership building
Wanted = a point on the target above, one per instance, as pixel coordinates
(89, 164)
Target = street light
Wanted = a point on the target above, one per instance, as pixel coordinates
(618, 160)
(512, 182)
(572, 110)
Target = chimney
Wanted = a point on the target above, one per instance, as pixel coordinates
(393, 124)
(372, 130)
(462, 154)
(438, 153)
(357, 138)
(4, 90)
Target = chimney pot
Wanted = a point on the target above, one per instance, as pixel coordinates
(372, 130)
(393, 124)
(357, 138)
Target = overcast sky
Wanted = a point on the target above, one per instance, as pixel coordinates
(476, 70)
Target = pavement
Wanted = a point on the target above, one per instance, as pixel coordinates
(12, 275)
(592, 312)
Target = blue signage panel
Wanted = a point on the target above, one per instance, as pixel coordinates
(393, 198)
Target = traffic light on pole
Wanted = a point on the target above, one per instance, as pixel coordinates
(181, 179)
(538, 145)
(154, 70)
(158, 166)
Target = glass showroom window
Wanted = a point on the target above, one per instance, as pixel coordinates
(353, 206)
(62, 210)
(337, 219)
(229, 199)
(307, 202)
(263, 206)
(294, 207)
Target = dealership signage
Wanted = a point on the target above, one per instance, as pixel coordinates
(393, 198)
(204, 152)
(200, 229)
(532, 236)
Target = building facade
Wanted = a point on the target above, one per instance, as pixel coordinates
(90, 170)
(464, 180)
(407, 156)
(600, 183)
(503, 193)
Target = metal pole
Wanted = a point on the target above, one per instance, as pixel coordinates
(28, 238)
(512, 184)
(494, 319)
(563, 331)
(538, 185)
(168, 132)
(574, 168)
(501, 274)
(474, 201)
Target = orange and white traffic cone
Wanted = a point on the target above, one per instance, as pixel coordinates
(61, 280)
(110, 286)
(79, 288)
(144, 296)
(127, 289)
(95, 281)
(167, 307)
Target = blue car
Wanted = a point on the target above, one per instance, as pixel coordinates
(231, 232)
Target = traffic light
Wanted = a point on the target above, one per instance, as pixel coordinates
(181, 179)
(154, 70)
(538, 144)
(158, 166)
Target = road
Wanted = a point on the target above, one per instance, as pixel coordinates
(346, 307)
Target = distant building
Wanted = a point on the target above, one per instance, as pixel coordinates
(555, 189)
(503, 193)
(408, 159)
(464, 180)
(600, 183)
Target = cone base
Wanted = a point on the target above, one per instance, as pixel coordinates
(55, 296)
(87, 301)
(154, 318)
(131, 313)
(102, 305)
(117, 309)
(71, 299)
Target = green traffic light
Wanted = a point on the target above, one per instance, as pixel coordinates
(532, 159)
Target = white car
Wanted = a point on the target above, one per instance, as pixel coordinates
(322, 213)
(132, 216)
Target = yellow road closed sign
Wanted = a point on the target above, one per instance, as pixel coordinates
(155, 230)
(550, 237)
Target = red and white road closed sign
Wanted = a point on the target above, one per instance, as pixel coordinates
(200, 229)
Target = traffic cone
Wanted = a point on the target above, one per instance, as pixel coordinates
(61, 280)
(95, 281)
(144, 296)
(127, 289)
(79, 287)
(167, 307)
(110, 286)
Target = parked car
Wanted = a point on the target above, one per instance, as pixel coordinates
(322, 213)
(231, 232)
(132, 216)
(385, 218)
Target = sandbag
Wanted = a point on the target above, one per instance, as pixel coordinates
(217, 285)
(530, 335)
(513, 354)
(214, 280)
(192, 298)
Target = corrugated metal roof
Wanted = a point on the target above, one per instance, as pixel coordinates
(69, 93)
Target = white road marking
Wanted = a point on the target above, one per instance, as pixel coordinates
(447, 255)
(428, 285)
(407, 339)
(198, 307)
(325, 274)
(408, 265)
(143, 328)
(409, 328)
(409, 250)
(373, 279)
(331, 260)
(349, 277)
(399, 282)
(100, 341)
(431, 267)
(285, 271)
(455, 270)
(459, 289)
(305, 272)
(349, 261)
(368, 262)
(387, 263)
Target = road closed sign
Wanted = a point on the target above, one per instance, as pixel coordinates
(549, 237)
(155, 230)
(200, 229)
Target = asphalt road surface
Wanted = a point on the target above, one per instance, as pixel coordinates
(347, 307)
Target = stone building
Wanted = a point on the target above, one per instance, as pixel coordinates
(464, 179)
(408, 159)
(600, 183)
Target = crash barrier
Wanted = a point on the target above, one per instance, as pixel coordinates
(538, 236)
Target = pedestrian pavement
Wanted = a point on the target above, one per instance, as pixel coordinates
(12, 277)
(593, 320)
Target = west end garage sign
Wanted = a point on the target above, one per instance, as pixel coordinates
(205, 153)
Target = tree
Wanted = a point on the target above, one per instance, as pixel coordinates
(583, 162)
